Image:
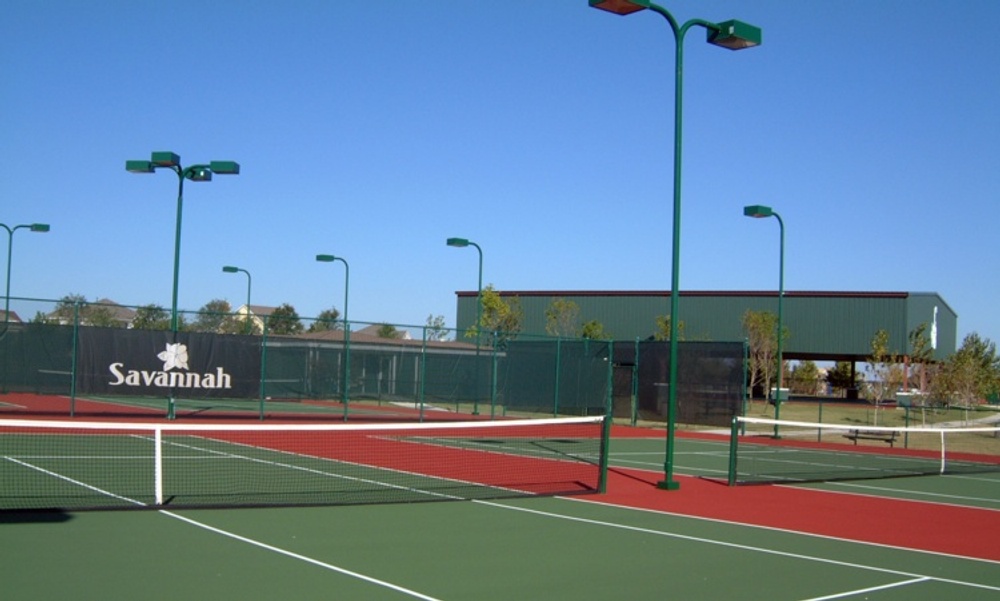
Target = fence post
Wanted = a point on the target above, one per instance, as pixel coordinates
(263, 364)
(493, 379)
(72, 369)
(555, 400)
(423, 371)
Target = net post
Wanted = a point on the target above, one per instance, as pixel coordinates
(602, 475)
(819, 419)
(942, 452)
(906, 422)
(734, 434)
(158, 465)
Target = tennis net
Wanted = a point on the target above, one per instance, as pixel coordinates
(816, 452)
(90, 465)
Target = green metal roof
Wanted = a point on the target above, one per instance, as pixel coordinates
(820, 325)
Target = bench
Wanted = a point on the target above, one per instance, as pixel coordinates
(889, 437)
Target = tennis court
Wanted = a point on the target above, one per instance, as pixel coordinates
(917, 538)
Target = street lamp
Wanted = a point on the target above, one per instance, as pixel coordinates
(734, 35)
(34, 227)
(231, 269)
(760, 211)
(462, 243)
(347, 327)
(195, 173)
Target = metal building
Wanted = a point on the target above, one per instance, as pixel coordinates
(820, 325)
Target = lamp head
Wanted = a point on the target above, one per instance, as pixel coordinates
(458, 242)
(230, 269)
(326, 258)
(621, 7)
(225, 167)
(139, 166)
(757, 211)
(39, 227)
(735, 35)
(165, 158)
(198, 173)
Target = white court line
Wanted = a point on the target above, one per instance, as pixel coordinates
(731, 545)
(244, 539)
(304, 558)
(919, 493)
(868, 590)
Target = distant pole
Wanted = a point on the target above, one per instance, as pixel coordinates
(461, 243)
(759, 211)
(347, 328)
(34, 227)
(232, 269)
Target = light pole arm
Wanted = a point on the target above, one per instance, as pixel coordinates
(781, 296)
(177, 249)
(347, 284)
(479, 293)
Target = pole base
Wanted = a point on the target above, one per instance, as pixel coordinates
(668, 485)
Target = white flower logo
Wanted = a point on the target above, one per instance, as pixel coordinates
(176, 356)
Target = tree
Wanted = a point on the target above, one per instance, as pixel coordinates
(760, 329)
(100, 316)
(284, 320)
(328, 320)
(500, 320)
(594, 330)
(151, 317)
(70, 308)
(971, 373)
(216, 316)
(43, 318)
(386, 330)
(561, 318)
(885, 370)
(435, 328)
(841, 377)
(663, 328)
(921, 353)
(804, 377)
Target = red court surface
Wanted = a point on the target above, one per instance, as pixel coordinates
(950, 529)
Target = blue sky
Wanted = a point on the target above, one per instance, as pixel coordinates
(543, 131)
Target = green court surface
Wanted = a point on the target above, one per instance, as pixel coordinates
(526, 549)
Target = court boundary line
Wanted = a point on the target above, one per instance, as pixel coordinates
(918, 493)
(741, 546)
(244, 539)
(788, 530)
(300, 557)
(870, 589)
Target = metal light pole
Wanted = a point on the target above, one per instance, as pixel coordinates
(462, 243)
(347, 328)
(734, 35)
(195, 173)
(231, 269)
(760, 211)
(34, 227)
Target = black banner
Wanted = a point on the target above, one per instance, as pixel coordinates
(159, 363)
